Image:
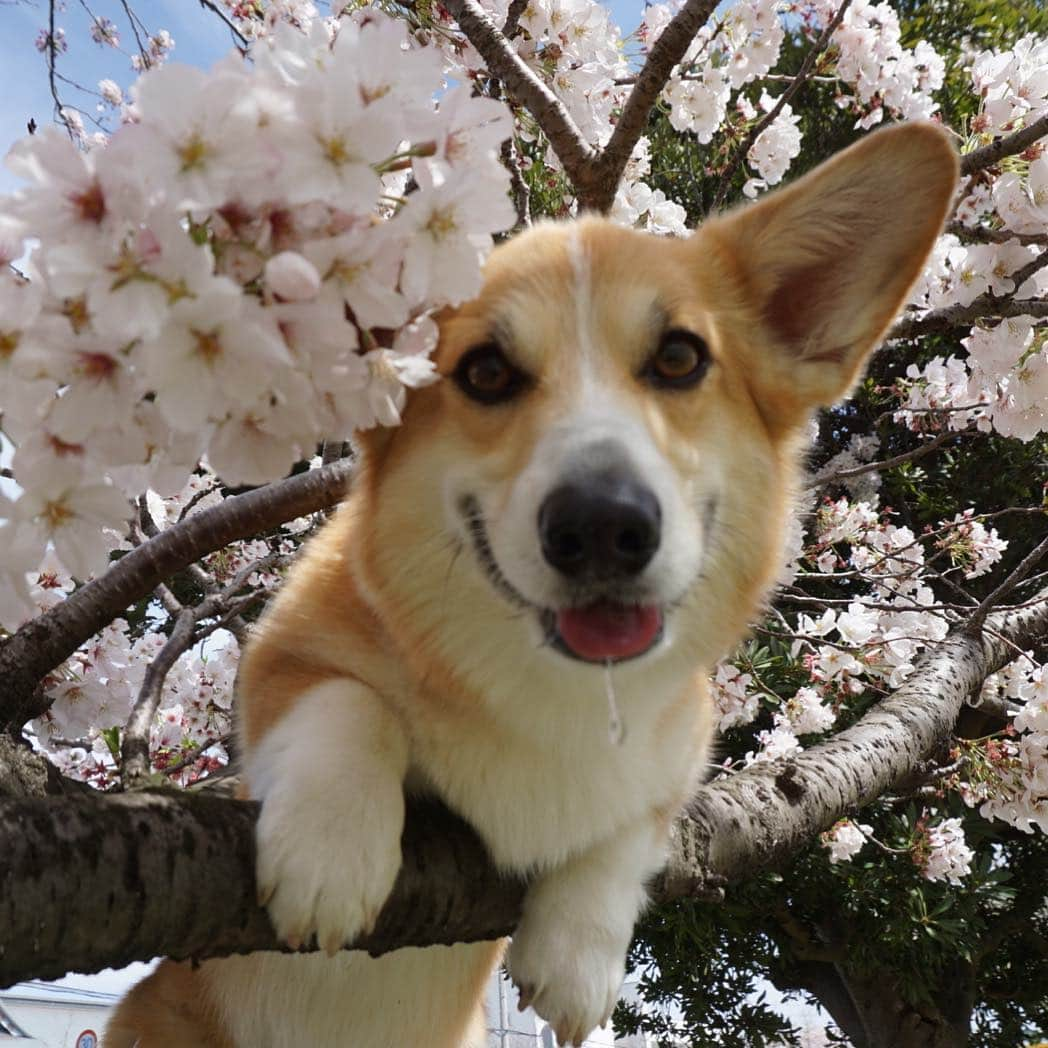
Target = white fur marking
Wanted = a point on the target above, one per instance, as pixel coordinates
(330, 778)
(580, 267)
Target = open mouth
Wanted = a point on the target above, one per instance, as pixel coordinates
(600, 631)
(604, 631)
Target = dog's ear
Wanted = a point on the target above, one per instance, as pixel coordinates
(822, 267)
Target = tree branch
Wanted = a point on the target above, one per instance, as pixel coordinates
(513, 17)
(665, 53)
(220, 606)
(985, 235)
(1009, 145)
(1021, 571)
(133, 876)
(594, 174)
(768, 119)
(762, 815)
(943, 321)
(239, 39)
(822, 478)
(549, 112)
(184, 862)
(46, 641)
(134, 748)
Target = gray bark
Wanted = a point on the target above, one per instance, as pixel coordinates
(759, 817)
(91, 882)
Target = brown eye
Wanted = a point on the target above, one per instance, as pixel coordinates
(680, 361)
(486, 375)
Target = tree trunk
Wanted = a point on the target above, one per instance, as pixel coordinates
(890, 1022)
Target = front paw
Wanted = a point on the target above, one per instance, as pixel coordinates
(326, 865)
(570, 974)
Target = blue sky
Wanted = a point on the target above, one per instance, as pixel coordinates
(199, 40)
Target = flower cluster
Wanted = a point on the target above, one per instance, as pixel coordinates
(1001, 385)
(873, 640)
(237, 275)
(774, 148)
(95, 691)
(736, 704)
(1012, 84)
(845, 839)
(942, 853)
(884, 75)
(971, 545)
(1007, 778)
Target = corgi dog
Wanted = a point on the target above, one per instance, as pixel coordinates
(594, 497)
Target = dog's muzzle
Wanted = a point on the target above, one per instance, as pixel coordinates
(599, 531)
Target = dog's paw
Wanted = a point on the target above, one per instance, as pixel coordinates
(326, 866)
(570, 974)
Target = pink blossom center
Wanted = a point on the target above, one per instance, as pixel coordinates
(90, 204)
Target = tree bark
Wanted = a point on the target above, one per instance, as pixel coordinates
(95, 881)
(823, 981)
(869, 1008)
(890, 1022)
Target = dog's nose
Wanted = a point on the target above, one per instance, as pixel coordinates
(604, 524)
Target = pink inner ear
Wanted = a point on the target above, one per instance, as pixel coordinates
(796, 300)
(796, 306)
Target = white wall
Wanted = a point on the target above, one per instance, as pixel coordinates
(53, 1024)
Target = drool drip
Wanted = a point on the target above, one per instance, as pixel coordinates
(616, 729)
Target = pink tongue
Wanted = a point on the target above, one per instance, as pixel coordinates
(609, 631)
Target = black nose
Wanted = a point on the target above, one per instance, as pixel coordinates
(604, 524)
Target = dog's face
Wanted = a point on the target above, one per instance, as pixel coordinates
(604, 473)
(596, 418)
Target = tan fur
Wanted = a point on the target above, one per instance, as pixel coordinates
(389, 661)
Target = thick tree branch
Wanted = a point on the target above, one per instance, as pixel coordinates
(943, 321)
(133, 876)
(762, 815)
(825, 983)
(1009, 145)
(46, 641)
(549, 112)
(665, 53)
(123, 878)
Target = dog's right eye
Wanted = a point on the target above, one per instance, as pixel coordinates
(486, 375)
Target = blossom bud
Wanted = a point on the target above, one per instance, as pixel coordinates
(291, 277)
(110, 91)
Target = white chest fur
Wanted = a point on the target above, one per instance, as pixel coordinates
(551, 782)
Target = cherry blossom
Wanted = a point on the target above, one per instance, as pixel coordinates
(846, 839)
(948, 857)
(188, 291)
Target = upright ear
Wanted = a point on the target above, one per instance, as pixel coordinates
(821, 268)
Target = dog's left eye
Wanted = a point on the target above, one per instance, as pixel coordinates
(680, 360)
(486, 375)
